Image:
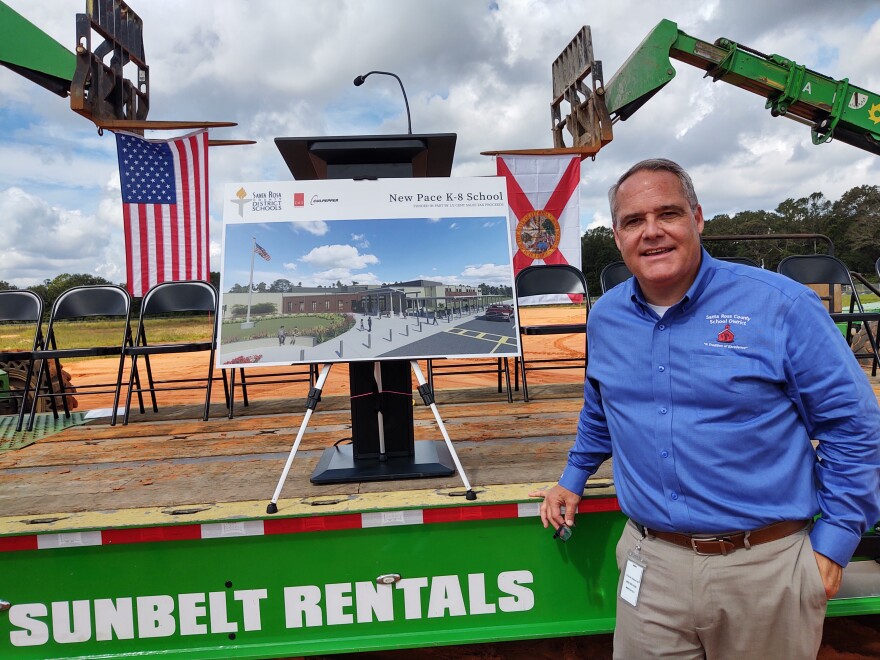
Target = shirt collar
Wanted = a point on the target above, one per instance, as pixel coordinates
(708, 265)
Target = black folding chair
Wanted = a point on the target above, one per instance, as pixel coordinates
(613, 274)
(745, 261)
(500, 367)
(825, 270)
(81, 302)
(547, 280)
(21, 307)
(299, 373)
(185, 297)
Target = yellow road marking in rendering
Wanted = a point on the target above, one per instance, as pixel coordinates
(483, 336)
(498, 340)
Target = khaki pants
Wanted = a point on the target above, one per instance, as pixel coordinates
(764, 603)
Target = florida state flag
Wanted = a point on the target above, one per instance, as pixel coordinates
(544, 215)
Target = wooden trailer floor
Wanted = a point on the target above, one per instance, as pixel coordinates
(171, 463)
(172, 466)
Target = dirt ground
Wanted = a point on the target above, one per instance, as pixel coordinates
(184, 365)
(846, 638)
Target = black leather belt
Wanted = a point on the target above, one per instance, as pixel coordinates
(722, 544)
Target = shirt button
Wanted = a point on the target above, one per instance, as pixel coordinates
(664, 454)
(662, 327)
(674, 496)
(661, 368)
(662, 411)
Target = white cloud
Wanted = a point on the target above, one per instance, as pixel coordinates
(488, 273)
(333, 275)
(37, 233)
(316, 228)
(477, 69)
(336, 256)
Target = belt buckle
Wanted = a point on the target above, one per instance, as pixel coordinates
(725, 545)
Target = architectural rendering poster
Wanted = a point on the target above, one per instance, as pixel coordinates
(341, 271)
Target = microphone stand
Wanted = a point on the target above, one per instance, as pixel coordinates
(360, 81)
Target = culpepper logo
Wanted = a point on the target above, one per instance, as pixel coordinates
(299, 199)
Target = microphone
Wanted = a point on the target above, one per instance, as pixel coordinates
(361, 79)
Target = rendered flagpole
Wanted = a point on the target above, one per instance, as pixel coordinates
(251, 280)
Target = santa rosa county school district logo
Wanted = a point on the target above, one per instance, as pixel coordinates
(537, 234)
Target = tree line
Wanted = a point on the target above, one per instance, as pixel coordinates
(49, 290)
(286, 286)
(852, 223)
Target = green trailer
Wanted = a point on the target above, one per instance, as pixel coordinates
(362, 578)
(153, 539)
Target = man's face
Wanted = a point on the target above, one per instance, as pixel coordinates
(658, 235)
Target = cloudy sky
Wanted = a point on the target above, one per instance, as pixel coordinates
(457, 250)
(478, 68)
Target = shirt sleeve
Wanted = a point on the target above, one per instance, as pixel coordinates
(840, 410)
(592, 446)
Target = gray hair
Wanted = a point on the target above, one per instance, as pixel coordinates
(654, 165)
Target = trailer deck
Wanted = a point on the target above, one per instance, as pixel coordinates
(153, 538)
(168, 460)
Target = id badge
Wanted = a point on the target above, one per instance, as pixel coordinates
(632, 578)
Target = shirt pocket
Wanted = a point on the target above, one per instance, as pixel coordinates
(728, 389)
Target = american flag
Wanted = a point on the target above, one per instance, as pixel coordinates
(260, 250)
(165, 208)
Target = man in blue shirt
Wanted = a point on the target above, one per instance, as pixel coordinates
(707, 382)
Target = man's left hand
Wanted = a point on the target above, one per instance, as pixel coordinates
(831, 573)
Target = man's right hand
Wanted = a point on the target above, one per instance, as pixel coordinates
(554, 500)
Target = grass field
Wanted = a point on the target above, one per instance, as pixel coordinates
(319, 325)
(304, 325)
(72, 334)
(18, 337)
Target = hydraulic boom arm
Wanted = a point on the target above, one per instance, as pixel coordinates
(109, 47)
(832, 108)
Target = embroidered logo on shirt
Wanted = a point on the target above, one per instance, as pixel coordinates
(726, 336)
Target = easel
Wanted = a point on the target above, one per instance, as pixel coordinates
(385, 466)
(383, 446)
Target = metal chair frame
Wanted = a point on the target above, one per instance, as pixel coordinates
(545, 280)
(613, 274)
(187, 296)
(500, 367)
(309, 375)
(831, 271)
(75, 303)
(22, 306)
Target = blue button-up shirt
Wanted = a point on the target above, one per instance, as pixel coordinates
(710, 410)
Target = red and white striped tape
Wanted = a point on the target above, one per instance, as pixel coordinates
(268, 526)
